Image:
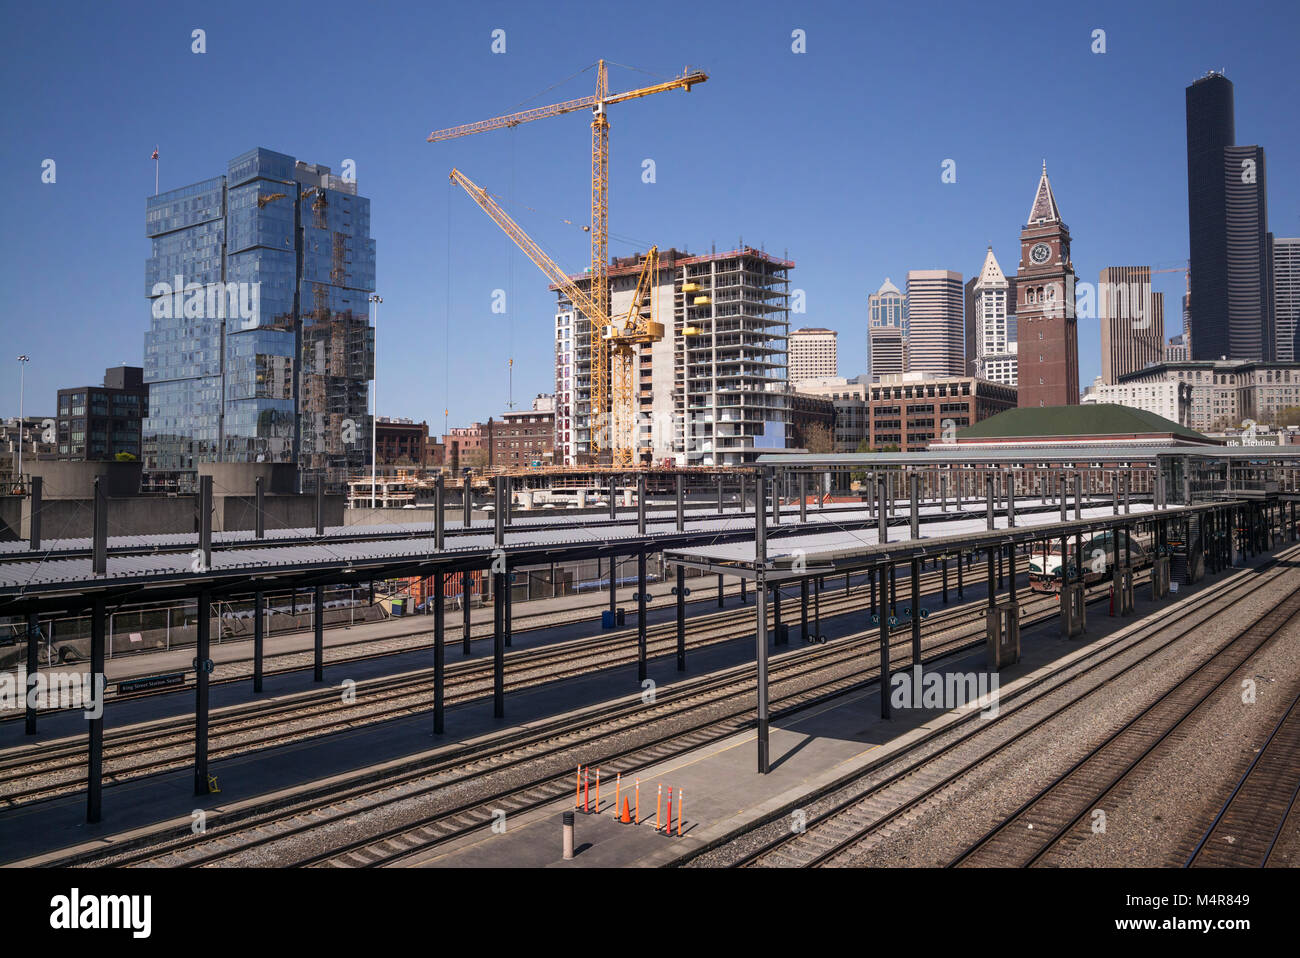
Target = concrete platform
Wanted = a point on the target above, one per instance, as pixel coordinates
(809, 750)
(319, 763)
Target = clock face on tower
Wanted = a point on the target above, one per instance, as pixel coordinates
(1040, 253)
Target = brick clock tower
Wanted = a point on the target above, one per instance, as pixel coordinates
(1047, 331)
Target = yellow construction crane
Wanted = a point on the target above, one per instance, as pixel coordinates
(599, 299)
(636, 328)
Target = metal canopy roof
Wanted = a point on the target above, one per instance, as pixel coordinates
(839, 550)
(58, 581)
(1012, 455)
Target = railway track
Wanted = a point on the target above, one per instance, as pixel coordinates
(886, 796)
(1246, 830)
(48, 769)
(399, 644)
(408, 813)
(1058, 812)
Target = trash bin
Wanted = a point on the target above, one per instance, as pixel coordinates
(606, 619)
(622, 616)
(399, 607)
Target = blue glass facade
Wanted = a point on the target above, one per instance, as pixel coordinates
(260, 347)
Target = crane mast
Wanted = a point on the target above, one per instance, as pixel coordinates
(598, 314)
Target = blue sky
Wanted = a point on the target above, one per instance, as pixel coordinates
(832, 156)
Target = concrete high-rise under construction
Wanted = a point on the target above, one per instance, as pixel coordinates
(712, 391)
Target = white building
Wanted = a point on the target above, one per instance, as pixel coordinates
(1168, 398)
(812, 354)
(995, 354)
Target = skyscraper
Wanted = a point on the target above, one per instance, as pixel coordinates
(1047, 330)
(1132, 321)
(1231, 296)
(812, 354)
(886, 331)
(995, 353)
(260, 347)
(1286, 296)
(936, 339)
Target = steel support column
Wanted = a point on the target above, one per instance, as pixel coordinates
(33, 667)
(439, 651)
(202, 653)
(95, 771)
(640, 616)
(259, 637)
(318, 633)
(681, 619)
(884, 652)
(498, 645)
(465, 585)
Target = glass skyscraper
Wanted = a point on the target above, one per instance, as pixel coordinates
(1230, 257)
(260, 347)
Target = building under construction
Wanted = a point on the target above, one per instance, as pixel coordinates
(712, 391)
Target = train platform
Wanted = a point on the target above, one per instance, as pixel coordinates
(322, 762)
(810, 749)
(164, 704)
(722, 788)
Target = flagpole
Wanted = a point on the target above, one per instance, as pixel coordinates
(155, 171)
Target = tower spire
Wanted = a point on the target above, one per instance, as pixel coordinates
(1044, 209)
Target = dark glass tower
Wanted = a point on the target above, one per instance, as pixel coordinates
(260, 347)
(1231, 302)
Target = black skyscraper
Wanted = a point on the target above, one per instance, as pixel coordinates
(1231, 297)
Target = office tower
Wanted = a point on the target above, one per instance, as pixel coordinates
(1047, 330)
(1231, 297)
(936, 338)
(1132, 321)
(995, 353)
(260, 347)
(888, 351)
(1286, 296)
(812, 354)
(887, 324)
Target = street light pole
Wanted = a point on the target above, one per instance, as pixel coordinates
(22, 382)
(374, 403)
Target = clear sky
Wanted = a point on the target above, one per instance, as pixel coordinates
(833, 156)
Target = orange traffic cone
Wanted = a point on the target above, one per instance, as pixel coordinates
(627, 813)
